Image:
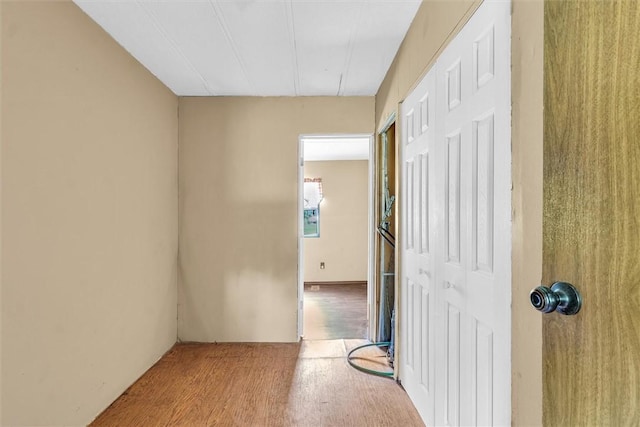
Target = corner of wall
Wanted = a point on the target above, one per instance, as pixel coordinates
(434, 25)
(177, 260)
(1, 311)
(89, 236)
(250, 166)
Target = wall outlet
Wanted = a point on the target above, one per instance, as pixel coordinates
(322, 265)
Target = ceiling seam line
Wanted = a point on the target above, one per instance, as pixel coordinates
(347, 61)
(294, 46)
(171, 42)
(227, 34)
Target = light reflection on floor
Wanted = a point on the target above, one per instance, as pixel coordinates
(335, 311)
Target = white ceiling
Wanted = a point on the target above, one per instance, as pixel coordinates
(335, 148)
(260, 47)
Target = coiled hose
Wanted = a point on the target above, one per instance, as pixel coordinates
(366, 370)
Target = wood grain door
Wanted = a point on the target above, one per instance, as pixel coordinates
(592, 211)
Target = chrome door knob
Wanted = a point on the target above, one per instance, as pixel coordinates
(562, 297)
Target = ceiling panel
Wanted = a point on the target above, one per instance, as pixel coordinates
(261, 35)
(133, 29)
(376, 44)
(260, 47)
(323, 33)
(203, 41)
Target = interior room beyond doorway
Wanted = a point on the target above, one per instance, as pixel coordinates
(334, 236)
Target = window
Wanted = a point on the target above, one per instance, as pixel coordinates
(312, 198)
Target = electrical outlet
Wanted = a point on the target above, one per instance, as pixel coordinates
(322, 265)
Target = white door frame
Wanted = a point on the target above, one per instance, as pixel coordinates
(373, 321)
(371, 236)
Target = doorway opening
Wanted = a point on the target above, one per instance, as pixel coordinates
(334, 234)
(386, 226)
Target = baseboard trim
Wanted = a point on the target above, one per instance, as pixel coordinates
(352, 282)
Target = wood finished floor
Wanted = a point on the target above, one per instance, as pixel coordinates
(334, 311)
(304, 384)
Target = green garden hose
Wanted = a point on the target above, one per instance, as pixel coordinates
(370, 371)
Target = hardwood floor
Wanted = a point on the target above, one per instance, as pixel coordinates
(305, 384)
(334, 310)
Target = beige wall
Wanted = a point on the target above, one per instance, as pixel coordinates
(89, 216)
(238, 210)
(527, 143)
(343, 244)
(434, 25)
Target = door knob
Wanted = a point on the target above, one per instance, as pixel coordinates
(562, 297)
